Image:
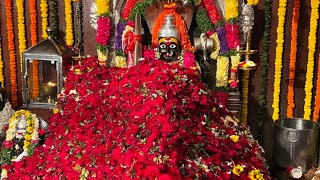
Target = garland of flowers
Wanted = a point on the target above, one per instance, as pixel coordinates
(31, 136)
(245, 92)
(293, 53)
(34, 40)
(11, 49)
(278, 60)
(21, 29)
(262, 109)
(44, 18)
(252, 2)
(317, 98)
(69, 24)
(310, 65)
(170, 9)
(103, 30)
(54, 17)
(213, 12)
(222, 71)
(127, 8)
(79, 33)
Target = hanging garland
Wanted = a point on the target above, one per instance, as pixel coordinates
(127, 8)
(245, 92)
(310, 65)
(262, 108)
(212, 11)
(139, 8)
(317, 98)
(103, 30)
(203, 20)
(34, 40)
(293, 53)
(222, 71)
(44, 18)
(12, 59)
(69, 25)
(252, 2)
(54, 17)
(78, 25)
(278, 60)
(21, 29)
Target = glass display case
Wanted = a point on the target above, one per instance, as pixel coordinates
(43, 69)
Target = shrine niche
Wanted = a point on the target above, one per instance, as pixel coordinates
(200, 35)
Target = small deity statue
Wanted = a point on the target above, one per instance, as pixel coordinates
(20, 132)
(168, 40)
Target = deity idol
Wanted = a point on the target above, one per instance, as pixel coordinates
(169, 40)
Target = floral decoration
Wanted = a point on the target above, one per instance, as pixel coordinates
(203, 20)
(44, 18)
(21, 29)
(103, 30)
(310, 65)
(213, 12)
(317, 98)
(127, 8)
(252, 2)
(139, 8)
(151, 121)
(293, 57)
(1, 65)
(11, 50)
(278, 60)
(34, 40)
(54, 17)
(222, 72)
(180, 23)
(31, 136)
(231, 9)
(69, 25)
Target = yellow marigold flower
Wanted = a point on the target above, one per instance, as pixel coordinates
(234, 138)
(102, 7)
(256, 175)
(55, 110)
(29, 129)
(27, 136)
(237, 170)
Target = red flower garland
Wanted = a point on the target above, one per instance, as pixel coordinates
(212, 10)
(12, 58)
(103, 31)
(127, 8)
(233, 37)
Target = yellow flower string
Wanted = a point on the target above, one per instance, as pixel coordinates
(222, 71)
(102, 7)
(255, 175)
(278, 60)
(44, 18)
(34, 40)
(310, 65)
(252, 2)
(21, 29)
(245, 93)
(69, 26)
(231, 9)
(1, 65)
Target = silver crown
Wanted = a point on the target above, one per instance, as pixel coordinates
(169, 29)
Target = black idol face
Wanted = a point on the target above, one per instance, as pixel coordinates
(169, 49)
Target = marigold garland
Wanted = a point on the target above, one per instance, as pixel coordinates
(185, 41)
(317, 98)
(11, 49)
(278, 60)
(34, 40)
(103, 7)
(44, 18)
(293, 53)
(310, 65)
(245, 93)
(222, 71)
(252, 2)
(231, 9)
(21, 29)
(69, 25)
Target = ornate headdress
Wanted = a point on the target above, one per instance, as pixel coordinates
(169, 29)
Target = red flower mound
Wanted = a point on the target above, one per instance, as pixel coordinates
(152, 121)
